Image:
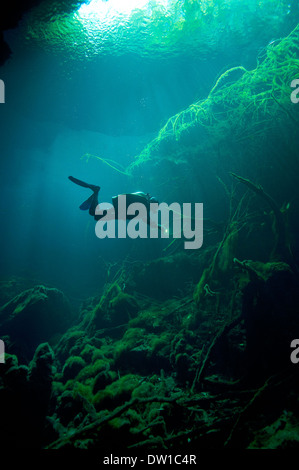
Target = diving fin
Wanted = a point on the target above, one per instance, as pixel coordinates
(87, 204)
(85, 185)
(92, 202)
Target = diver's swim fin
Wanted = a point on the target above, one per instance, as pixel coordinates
(85, 206)
(92, 202)
(93, 187)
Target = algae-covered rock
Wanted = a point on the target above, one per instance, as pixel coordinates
(25, 391)
(117, 310)
(70, 407)
(282, 434)
(34, 316)
(133, 338)
(72, 343)
(72, 367)
(102, 379)
(90, 371)
(41, 366)
(116, 393)
(12, 286)
(122, 308)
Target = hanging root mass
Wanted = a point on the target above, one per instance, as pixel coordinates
(239, 110)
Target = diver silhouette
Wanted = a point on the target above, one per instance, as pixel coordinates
(92, 202)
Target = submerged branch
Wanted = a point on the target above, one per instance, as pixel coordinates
(281, 246)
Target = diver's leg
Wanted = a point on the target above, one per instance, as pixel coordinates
(91, 203)
(94, 203)
(93, 187)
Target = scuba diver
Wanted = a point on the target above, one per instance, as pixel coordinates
(92, 202)
(125, 206)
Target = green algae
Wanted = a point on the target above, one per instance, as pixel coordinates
(174, 373)
(72, 367)
(92, 370)
(233, 112)
(116, 393)
(131, 339)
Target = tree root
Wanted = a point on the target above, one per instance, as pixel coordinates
(93, 427)
(281, 248)
(224, 330)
